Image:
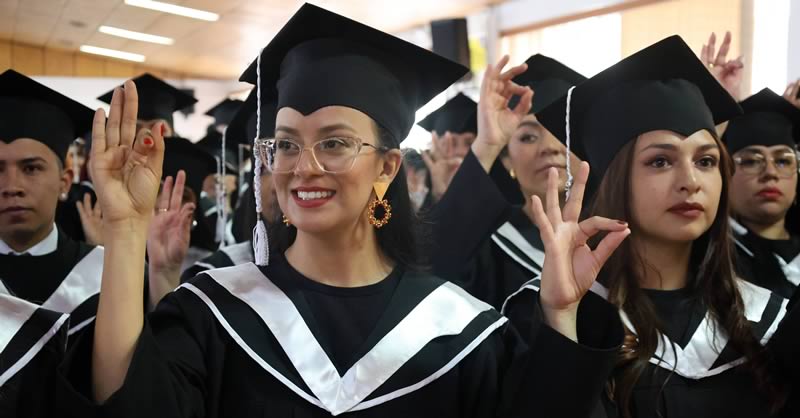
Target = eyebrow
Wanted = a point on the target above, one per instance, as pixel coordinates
(529, 124)
(673, 147)
(324, 130)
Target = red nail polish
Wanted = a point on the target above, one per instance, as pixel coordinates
(148, 141)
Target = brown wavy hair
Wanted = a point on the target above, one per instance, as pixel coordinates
(713, 285)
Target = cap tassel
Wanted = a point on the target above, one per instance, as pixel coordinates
(260, 239)
(568, 185)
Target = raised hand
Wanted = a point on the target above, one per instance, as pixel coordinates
(91, 220)
(792, 93)
(729, 73)
(126, 167)
(496, 122)
(168, 237)
(442, 163)
(570, 265)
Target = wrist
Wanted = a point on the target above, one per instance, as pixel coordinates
(124, 229)
(564, 320)
(486, 152)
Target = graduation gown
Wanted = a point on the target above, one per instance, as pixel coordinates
(66, 280)
(67, 217)
(232, 255)
(483, 243)
(694, 373)
(772, 264)
(251, 341)
(32, 343)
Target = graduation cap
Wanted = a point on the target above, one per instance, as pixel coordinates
(458, 115)
(549, 80)
(662, 87)
(157, 98)
(32, 110)
(182, 154)
(320, 59)
(768, 120)
(223, 111)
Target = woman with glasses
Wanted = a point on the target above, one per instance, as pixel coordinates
(766, 219)
(336, 319)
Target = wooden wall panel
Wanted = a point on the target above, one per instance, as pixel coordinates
(59, 63)
(27, 59)
(118, 69)
(89, 66)
(5, 55)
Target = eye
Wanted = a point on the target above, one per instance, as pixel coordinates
(334, 144)
(707, 162)
(31, 168)
(784, 161)
(286, 146)
(659, 162)
(749, 161)
(528, 138)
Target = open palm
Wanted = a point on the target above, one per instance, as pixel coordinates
(170, 229)
(126, 167)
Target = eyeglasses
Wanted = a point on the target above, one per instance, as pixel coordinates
(332, 155)
(755, 163)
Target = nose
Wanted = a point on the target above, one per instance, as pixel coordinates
(10, 184)
(307, 165)
(770, 170)
(550, 146)
(687, 180)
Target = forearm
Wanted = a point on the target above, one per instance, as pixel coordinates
(563, 320)
(161, 282)
(120, 314)
(486, 153)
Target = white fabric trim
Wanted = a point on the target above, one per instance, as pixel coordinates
(205, 265)
(511, 233)
(791, 269)
(445, 311)
(239, 253)
(75, 328)
(14, 313)
(43, 247)
(80, 284)
(526, 286)
(4, 289)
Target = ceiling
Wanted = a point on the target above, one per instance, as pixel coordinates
(218, 49)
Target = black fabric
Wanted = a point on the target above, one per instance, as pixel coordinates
(549, 80)
(679, 311)
(224, 111)
(182, 154)
(217, 259)
(30, 392)
(768, 120)
(33, 110)
(762, 268)
(457, 115)
(662, 87)
(67, 217)
(157, 98)
(185, 364)
(323, 59)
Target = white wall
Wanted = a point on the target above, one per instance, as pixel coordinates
(793, 48)
(208, 93)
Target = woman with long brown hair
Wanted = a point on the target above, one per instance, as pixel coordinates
(699, 342)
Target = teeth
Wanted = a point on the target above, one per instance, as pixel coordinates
(314, 195)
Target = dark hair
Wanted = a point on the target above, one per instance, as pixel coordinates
(401, 239)
(714, 285)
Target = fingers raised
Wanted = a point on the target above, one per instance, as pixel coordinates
(114, 118)
(595, 224)
(162, 201)
(99, 132)
(542, 222)
(130, 111)
(177, 191)
(722, 55)
(572, 209)
(553, 207)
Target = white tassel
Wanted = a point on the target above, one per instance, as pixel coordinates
(260, 239)
(570, 179)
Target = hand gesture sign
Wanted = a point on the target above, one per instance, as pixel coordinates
(126, 167)
(728, 73)
(170, 230)
(442, 163)
(496, 122)
(570, 265)
(792, 93)
(91, 220)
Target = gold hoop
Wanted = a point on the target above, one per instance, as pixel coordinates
(387, 208)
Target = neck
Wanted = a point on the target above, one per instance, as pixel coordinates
(23, 241)
(342, 259)
(775, 231)
(666, 264)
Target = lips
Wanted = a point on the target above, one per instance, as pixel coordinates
(770, 193)
(549, 166)
(14, 210)
(689, 210)
(312, 197)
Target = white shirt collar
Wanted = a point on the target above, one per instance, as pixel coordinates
(45, 246)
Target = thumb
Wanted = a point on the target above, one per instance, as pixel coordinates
(148, 148)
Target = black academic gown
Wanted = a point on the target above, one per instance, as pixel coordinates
(67, 217)
(254, 342)
(698, 379)
(66, 280)
(772, 264)
(32, 346)
(483, 243)
(232, 255)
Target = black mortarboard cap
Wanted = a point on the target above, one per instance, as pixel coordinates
(549, 80)
(157, 98)
(320, 59)
(182, 154)
(242, 129)
(32, 110)
(223, 111)
(662, 87)
(768, 120)
(458, 115)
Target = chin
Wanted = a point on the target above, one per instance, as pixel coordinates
(684, 233)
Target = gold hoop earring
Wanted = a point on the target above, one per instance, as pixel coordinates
(380, 192)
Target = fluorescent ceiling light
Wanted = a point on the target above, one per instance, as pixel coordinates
(174, 9)
(112, 53)
(136, 36)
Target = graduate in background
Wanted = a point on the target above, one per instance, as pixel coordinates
(242, 126)
(699, 342)
(38, 262)
(31, 346)
(336, 320)
(764, 188)
(493, 251)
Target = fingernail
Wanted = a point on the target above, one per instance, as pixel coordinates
(148, 141)
(622, 222)
(163, 129)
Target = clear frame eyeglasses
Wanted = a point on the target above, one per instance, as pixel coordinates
(332, 155)
(754, 163)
